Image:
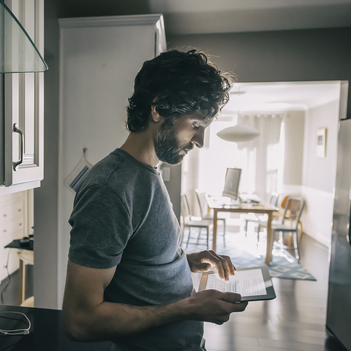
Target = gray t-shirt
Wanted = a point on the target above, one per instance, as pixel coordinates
(123, 217)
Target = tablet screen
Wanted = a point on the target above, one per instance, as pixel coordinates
(252, 283)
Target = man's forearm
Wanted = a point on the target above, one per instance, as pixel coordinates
(111, 320)
(108, 320)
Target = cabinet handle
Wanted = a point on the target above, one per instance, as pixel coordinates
(17, 130)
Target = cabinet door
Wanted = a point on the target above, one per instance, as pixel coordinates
(24, 104)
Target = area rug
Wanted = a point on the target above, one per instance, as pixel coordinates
(245, 253)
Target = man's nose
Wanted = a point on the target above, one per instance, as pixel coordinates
(198, 138)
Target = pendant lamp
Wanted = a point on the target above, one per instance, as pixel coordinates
(238, 133)
(18, 53)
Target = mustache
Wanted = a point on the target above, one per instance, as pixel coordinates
(188, 147)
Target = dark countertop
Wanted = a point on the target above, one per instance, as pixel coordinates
(46, 333)
(15, 244)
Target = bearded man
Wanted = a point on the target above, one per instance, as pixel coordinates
(128, 279)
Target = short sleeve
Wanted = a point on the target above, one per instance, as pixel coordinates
(101, 228)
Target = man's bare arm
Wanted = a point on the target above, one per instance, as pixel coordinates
(88, 317)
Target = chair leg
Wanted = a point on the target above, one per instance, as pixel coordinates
(208, 235)
(301, 228)
(296, 244)
(258, 233)
(187, 243)
(246, 226)
(198, 237)
(224, 231)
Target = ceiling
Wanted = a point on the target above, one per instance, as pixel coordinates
(280, 97)
(227, 16)
(184, 17)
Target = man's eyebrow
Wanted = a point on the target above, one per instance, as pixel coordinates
(201, 121)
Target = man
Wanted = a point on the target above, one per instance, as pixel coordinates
(128, 280)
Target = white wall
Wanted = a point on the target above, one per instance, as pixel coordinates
(293, 144)
(307, 175)
(318, 176)
(294, 125)
(318, 172)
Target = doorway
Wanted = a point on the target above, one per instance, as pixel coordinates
(291, 165)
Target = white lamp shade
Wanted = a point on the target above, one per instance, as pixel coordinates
(240, 132)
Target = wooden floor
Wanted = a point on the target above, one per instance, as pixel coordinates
(294, 321)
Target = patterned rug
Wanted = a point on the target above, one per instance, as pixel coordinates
(245, 253)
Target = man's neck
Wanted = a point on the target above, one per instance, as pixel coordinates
(140, 145)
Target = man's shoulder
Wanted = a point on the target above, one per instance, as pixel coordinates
(101, 172)
(118, 170)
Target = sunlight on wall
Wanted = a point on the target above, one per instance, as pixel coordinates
(215, 158)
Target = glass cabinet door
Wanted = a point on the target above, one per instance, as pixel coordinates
(24, 105)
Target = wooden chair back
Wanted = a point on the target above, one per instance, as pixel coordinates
(293, 209)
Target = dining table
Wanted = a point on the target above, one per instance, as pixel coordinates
(244, 207)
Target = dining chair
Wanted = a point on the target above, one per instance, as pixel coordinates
(205, 214)
(190, 222)
(251, 217)
(281, 213)
(293, 211)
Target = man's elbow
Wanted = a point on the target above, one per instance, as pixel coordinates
(75, 334)
(76, 329)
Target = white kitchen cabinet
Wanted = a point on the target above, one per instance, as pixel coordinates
(23, 100)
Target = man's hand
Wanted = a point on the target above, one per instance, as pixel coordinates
(214, 306)
(201, 261)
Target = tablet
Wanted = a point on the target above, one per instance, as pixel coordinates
(253, 283)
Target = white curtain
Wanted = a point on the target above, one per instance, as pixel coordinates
(260, 176)
(190, 179)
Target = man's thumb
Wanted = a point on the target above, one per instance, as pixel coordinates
(204, 266)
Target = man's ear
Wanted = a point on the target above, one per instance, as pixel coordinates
(155, 115)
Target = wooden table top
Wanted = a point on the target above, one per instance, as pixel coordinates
(262, 206)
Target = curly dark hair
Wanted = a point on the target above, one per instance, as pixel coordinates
(177, 83)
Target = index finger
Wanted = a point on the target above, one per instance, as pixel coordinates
(230, 264)
(227, 265)
(220, 262)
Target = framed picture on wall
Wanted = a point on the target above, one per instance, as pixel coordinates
(321, 148)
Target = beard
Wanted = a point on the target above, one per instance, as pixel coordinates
(167, 146)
